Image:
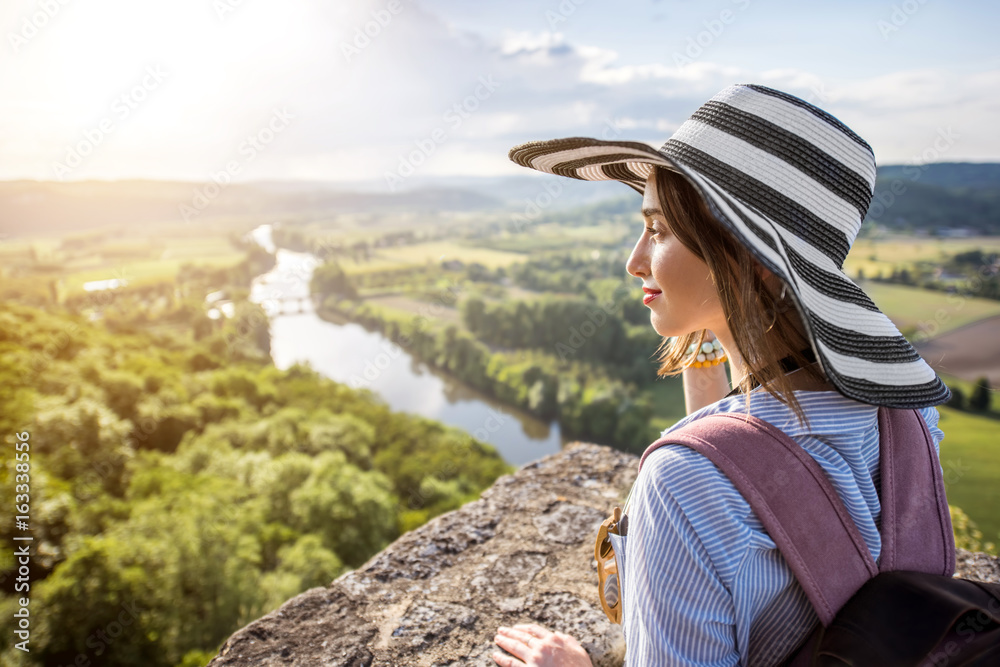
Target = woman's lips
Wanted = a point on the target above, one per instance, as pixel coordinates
(649, 297)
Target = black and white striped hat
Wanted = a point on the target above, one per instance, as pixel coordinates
(793, 184)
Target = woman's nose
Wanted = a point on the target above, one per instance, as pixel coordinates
(637, 264)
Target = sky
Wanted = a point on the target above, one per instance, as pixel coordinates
(392, 91)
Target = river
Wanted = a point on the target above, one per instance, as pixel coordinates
(345, 352)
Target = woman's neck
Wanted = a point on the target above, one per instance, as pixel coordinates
(737, 369)
(800, 379)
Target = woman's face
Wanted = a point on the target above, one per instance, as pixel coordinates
(688, 300)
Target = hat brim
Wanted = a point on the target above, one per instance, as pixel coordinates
(859, 348)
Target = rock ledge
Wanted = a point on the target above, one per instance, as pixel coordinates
(522, 553)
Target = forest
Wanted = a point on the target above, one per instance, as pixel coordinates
(181, 486)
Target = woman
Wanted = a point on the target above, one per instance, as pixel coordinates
(750, 209)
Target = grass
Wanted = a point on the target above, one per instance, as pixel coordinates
(970, 457)
(556, 237)
(967, 388)
(666, 395)
(142, 272)
(910, 306)
(434, 252)
(154, 254)
(409, 306)
(883, 255)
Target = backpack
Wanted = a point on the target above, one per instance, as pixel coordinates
(907, 609)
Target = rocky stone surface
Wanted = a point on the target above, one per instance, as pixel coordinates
(977, 566)
(522, 553)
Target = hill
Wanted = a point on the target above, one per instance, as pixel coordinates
(937, 198)
(46, 207)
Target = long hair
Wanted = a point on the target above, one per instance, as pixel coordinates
(765, 327)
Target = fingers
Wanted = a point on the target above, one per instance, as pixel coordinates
(504, 660)
(533, 629)
(523, 641)
(517, 633)
(514, 642)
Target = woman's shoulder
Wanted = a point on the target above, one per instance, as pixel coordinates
(823, 409)
(841, 435)
(838, 432)
(675, 479)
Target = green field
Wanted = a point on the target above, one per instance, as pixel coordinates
(667, 398)
(910, 306)
(404, 305)
(967, 388)
(434, 252)
(884, 255)
(970, 457)
(140, 257)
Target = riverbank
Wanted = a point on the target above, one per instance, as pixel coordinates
(341, 349)
(585, 403)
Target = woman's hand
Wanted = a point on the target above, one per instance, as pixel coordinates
(537, 647)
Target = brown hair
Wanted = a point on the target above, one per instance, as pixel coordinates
(764, 327)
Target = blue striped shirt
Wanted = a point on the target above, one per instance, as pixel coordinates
(703, 583)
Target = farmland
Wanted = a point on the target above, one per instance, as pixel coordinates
(883, 255)
(933, 313)
(959, 334)
(147, 255)
(970, 458)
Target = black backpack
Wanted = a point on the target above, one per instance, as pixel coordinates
(906, 610)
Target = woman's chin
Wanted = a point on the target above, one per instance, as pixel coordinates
(662, 327)
(669, 329)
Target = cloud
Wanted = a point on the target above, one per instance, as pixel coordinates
(368, 87)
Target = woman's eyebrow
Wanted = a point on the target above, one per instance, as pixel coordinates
(650, 212)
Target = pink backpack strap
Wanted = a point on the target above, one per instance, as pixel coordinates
(917, 534)
(793, 499)
(805, 517)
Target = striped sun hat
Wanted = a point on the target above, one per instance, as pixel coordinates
(793, 184)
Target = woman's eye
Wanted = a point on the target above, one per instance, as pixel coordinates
(651, 231)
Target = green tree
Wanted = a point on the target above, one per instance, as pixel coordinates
(981, 395)
(83, 441)
(330, 278)
(957, 399)
(352, 510)
(345, 433)
(967, 533)
(97, 603)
